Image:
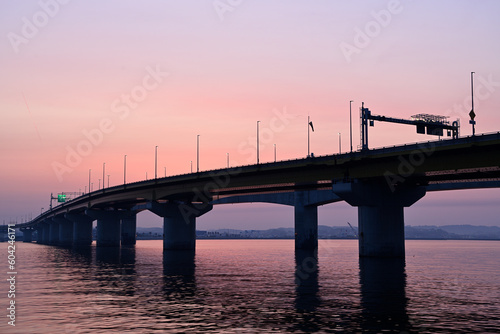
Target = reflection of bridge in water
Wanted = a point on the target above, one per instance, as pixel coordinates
(380, 182)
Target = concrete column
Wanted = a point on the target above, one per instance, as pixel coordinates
(129, 229)
(380, 214)
(306, 222)
(179, 223)
(108, 226)
(27, 235)
(65, 230)
(41, 230)
(45, 234)
(381, 231)
(53, 233)
(82, 228)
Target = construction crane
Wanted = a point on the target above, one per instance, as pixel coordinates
(353, 230)
(434, 124)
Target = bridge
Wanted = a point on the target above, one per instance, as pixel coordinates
(379, 182)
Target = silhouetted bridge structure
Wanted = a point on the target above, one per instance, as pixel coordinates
(380, 182)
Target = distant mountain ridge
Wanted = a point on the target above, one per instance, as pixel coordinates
(451, 232)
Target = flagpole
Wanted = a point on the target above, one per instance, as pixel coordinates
(308, 148)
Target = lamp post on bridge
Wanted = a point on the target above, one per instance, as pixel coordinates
(350, 122)
(340, 143)
(156, 161)
(258, 142)
(125, 169)
(197, 153)
(90, 171)
(103, 173)
(227, 154)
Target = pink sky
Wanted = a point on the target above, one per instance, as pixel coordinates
(229, 66)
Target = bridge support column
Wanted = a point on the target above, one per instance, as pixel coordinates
(43, 234)
(53, 233)
(179, 223)
(129, 229)
(27, 235)
(82, 228)
(306, 222)
(108, 226)
(380, 214)
(65, 231)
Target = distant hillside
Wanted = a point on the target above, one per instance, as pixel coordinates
(336, 232)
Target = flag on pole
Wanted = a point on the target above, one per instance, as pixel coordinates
(311, 124)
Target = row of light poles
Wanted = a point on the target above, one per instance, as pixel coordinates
(309, 125)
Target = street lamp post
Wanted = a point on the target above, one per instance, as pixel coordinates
(227, 154)
(90, 172)
(165, 171)
(103, 173)
(197, 153)
(340, 143)
(191, 166)
(258, 142)
(125, 169)
(350, 121)
(156, 161)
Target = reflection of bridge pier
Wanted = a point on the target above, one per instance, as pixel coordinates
(383, 296)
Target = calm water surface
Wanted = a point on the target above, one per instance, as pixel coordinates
(255, 286)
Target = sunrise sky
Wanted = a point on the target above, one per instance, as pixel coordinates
(126, 76)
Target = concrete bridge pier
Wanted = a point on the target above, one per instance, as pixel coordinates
(108, 226)
(27, 235)
(53, 233)
(179, 222)
(306, 221)
(65, 231)
(82, 228)
(43, 234)
(129, 230)
(380, 214)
